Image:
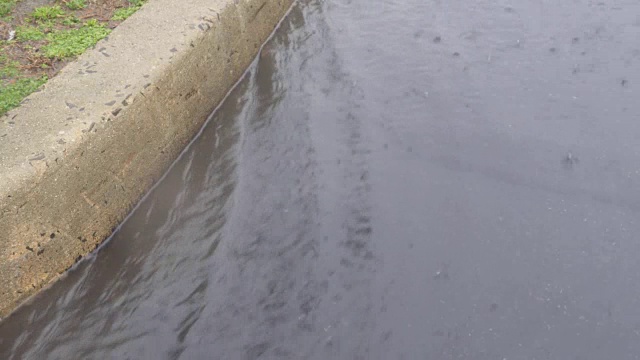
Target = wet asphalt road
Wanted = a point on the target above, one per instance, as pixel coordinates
(418, 179)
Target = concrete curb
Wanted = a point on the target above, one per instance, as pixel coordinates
(78, 155)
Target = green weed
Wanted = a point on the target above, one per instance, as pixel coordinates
(76, 4)
(6, 6)
(123, 13)
(47, 13)
(67, 43)
(47, 26)
(27, 33)
(9, 70)
(12, 94)
(70, 21)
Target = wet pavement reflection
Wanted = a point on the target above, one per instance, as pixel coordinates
(417, 179)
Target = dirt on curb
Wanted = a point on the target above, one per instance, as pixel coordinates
(39, 37)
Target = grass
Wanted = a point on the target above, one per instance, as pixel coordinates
(67, 43)
(6, 6)
(76, 4)
(28, 33)
(12, 94)
(9, 69)
(124, 13)
(48, 37)
(70, 21)
(45, 13)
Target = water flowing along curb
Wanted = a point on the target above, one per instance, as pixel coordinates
(78, 155)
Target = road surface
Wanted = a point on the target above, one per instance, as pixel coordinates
(418, 179)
